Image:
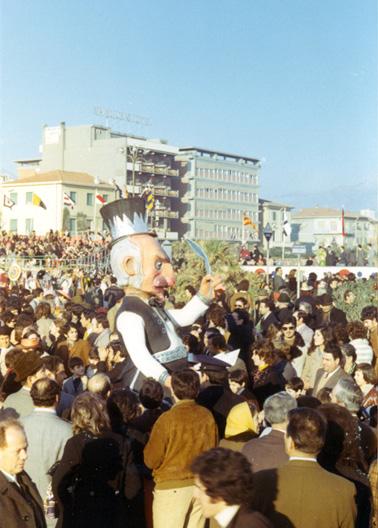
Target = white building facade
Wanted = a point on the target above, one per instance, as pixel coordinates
(24, 217)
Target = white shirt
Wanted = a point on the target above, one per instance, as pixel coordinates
(224, 517)
(131, 327)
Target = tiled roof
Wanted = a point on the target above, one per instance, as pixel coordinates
(58, 176)
(320, 212)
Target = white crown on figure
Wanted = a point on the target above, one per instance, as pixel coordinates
(126, 217)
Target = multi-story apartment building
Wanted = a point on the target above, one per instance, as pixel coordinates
(218, 189)
(199, 193)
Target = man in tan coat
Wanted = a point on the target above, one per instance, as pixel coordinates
(301, 494)
(178, 436)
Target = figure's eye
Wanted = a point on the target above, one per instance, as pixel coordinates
(158, 265)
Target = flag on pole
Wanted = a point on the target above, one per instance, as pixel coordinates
(119, 190)
(286, 226)
(36, 200)
(150, 200)
(100, 199)
(67, 200)
(247, 221)
(343, 233)
(8, 202)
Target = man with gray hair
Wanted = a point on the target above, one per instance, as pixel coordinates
(268, 451)
(348, 394)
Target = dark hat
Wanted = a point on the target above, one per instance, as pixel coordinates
(283, 297)
(126, 217)
(27, 364)
(325, 299)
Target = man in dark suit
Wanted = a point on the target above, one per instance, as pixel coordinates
(223, 487)
(331, 373)
(268, 318)
(301, 494)
(330, 315)
(268, 451)
(20, 502)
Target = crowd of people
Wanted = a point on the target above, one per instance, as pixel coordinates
(272, 423)
(53, 245)
(324, 256)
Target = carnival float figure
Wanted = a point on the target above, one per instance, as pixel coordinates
(144, 270)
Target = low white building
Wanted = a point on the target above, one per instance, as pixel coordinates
(278, 216)
(321, 226)
(24, 216)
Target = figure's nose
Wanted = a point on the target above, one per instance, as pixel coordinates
(169, 275)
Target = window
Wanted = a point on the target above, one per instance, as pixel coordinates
(106, 197)
(274, 216)
(73, 196)
(89, 198)
(28, 225)
(13, 225)
(72, 224)
(29, 198)
(13, 197)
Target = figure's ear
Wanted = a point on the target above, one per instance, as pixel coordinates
(129, 266)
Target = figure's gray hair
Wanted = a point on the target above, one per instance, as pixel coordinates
(120, 250)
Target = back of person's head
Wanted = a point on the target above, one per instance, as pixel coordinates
(43, 309)
(243, 315)
(277, 407)
(218, 341)
(191, 343)
(185, 384)
(356, 330)
(151, 394)
(368, 373)
(369, 312)
(44, 392)
(340, 334)
(225, 474)
(296, 384)
(89, 414)
(99, 384)
(75, 361)
(123, 406)
(324, 395)
(243, 285)
(242, 418)
(239, 376)
(216, 376)
(308, 401)
(102, 320)
(349, 350)
(307, 430)
(342, 442)
(12, 356)
(348, 394)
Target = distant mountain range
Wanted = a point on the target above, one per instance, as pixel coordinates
(353, 197)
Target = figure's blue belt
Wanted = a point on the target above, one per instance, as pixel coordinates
(167, 356)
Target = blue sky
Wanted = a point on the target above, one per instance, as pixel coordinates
(292, 82)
